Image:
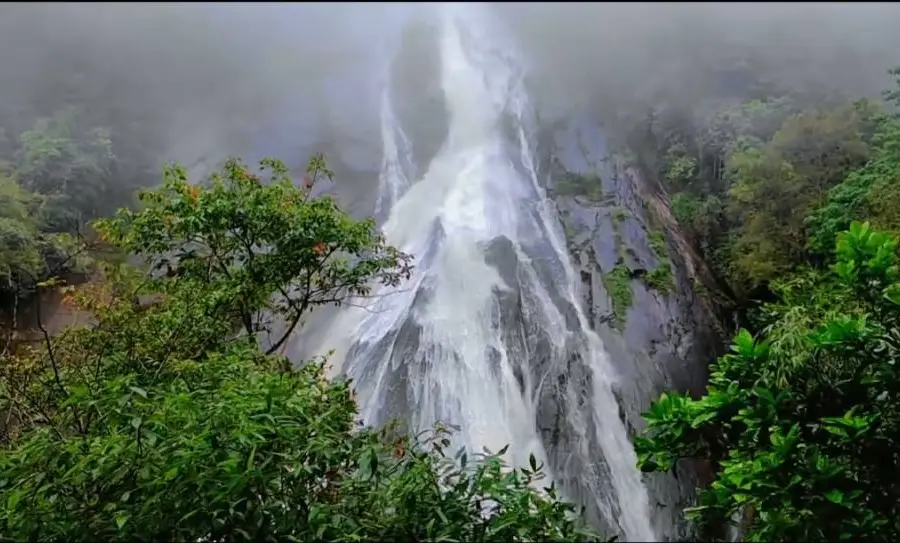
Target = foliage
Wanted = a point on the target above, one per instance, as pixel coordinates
(776, 186)
(660, 278)
(59, 158)
(20, 257)
(79, 130)
(574, 184)
(258, 241)
(802, 426)
(680, 166)
(28, 254)
(868, 192)
(746, 168)
(618, 285)
(159, 422)
(59, 176)
(658, 244)
(685, 208)
(799, 426)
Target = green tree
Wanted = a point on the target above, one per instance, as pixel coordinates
(775, 186)
(163, 420)
(20, 255)
(866, 193)
(802, 427)
(28, 254)
(74, 164)
(869, 192)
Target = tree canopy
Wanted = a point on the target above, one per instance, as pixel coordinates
(799, 420)
(162, 419)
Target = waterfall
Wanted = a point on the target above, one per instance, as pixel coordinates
(396, 162)
(489, 334)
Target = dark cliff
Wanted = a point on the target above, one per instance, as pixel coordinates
(647, 292)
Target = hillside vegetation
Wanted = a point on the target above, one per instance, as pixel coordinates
(790, 191)
(796, 207)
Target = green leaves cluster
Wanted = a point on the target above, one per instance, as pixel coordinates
(867, 193)
(58, 175)
(773, 187)
(162, 421)
(71, 163)
(802, 427)
(29, 251)
(261, 242)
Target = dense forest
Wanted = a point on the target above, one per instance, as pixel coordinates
(793, 200)
(162, 419)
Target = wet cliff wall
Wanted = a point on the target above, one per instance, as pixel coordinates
(646, 291)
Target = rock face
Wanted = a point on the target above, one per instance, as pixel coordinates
(646, 292)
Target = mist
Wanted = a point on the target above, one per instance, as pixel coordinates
(211, 80)
(615, 56)
(199, 80)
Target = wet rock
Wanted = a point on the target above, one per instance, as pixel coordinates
(634, 243)
(551, 368)
(668, 335)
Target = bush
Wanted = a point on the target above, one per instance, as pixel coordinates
(802, 426)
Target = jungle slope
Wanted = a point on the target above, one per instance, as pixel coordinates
(799, 424)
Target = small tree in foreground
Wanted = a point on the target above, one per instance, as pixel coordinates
(163, 420)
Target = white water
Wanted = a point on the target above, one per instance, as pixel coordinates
(393, 180)
(435, 346)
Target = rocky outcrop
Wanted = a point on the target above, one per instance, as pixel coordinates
(648, 294)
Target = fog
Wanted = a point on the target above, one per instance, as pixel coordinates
(205, 80)
(635, 55)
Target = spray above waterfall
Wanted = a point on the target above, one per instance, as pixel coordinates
(488, 334)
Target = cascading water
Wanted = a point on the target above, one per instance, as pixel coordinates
(488, 334)
(396, 165)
